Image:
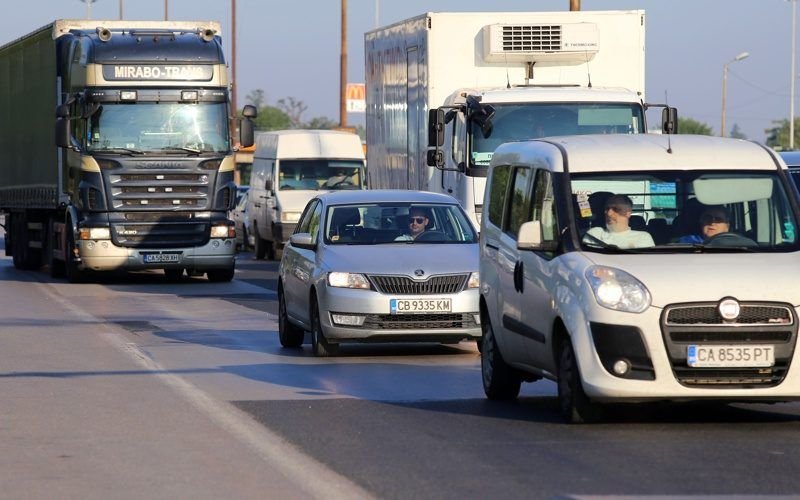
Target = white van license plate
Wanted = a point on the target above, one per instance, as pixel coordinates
(725, 356)
(154, 258)
(412, 306)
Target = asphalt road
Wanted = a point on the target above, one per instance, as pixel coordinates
(133, 387)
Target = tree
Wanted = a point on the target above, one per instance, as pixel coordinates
(736, 132)
(272, 118)
(256, 98)
(778, 136)
(690, 126)
(321, 122)
(294, 109)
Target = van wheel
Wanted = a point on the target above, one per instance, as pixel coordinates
(576, 407)
(289, 334)
(500, 381)
(319, 344)
(259, 246)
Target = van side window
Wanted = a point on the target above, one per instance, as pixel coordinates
(497, 193)
(519, 201)
(543, 204)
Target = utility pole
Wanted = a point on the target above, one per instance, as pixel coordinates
(343, 70)
(794, 75)
(166, 10)
(121, 8)
(234, 90)
(574, 4)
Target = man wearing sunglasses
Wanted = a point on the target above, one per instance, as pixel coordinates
(417, 223)
(618, 210)
(714, 221)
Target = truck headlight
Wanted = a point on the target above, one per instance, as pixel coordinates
(618, 290)
(94, 233)
(290, 216)
(348, 280)
(223, 231)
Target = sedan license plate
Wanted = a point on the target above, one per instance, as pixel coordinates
(153, 258)
(725, 356)
(412, 306)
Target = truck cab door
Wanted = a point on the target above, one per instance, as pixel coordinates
(454, 152)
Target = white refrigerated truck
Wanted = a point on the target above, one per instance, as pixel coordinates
(445, 89)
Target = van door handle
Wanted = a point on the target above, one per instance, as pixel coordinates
(518, 277)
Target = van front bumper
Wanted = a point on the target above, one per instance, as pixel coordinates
(103, 255)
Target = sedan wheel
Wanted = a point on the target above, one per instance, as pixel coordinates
(289, 334)
(319, 344)
(576, 407)
(500, 381)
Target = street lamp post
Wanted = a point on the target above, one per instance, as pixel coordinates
(794, 76)
(88, 7)
(741, 56)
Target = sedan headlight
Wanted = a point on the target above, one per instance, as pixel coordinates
(290, 216)
(348, 280)
(94, 233)
(474, 280)
(618, 290)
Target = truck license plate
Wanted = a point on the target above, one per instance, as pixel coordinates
(724, 356)
(153, 258)
(411, 306)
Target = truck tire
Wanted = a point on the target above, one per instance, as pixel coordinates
(220, 275)
(501, 382)
(57, 266)
(72, 272)
(576, 407)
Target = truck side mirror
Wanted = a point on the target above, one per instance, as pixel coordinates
(63, 136)
(246, 132)
(435, 158)
(435, 128)
(249, 111)
(669, 120)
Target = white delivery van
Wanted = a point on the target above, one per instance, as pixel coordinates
(289, 168)
(699, 303)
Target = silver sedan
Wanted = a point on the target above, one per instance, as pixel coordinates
(385, 266)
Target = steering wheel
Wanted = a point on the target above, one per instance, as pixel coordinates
(730, 239)
(432, 236)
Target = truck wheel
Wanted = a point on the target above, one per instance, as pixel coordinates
(576, 407)
(220, 275)
(74, 275)
(289, 334)
(260, 246)
(319, 344)
(501, 382)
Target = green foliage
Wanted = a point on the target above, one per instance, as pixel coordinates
(736, 132)
(778, 136)
(286, 114)
(271, 118)
(690, 126)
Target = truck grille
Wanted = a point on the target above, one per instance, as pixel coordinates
(403, 285)
(160, 234)
(419, 321)
(758, 323)
(160, 190)
(527, 38)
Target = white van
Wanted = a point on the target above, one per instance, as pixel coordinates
(289, 168)
(699, 303)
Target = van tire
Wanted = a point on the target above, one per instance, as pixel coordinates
(576, 407)
(259, 245)
(501, 382)
(289, 334)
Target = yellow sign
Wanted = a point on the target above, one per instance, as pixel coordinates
(356, 98)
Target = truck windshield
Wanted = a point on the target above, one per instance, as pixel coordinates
(320, 174)
(519, 122)
(147, 127)
(677, 211)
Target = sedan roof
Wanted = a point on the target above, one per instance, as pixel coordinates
(347, 197)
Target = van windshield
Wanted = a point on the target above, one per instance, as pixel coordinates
(320, 174)
(674, 211)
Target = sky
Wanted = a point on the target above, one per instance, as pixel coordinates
(291, 48)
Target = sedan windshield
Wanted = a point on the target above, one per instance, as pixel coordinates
(674, 211)
(144, 127)
(371, 224)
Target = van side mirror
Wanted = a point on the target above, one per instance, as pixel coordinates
(530, 238)
(435, 128)
(669, 120)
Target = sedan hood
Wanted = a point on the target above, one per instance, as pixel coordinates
(402, 258)
(704, 277)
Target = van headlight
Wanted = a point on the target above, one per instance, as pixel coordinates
(618, 290)
(348, 280)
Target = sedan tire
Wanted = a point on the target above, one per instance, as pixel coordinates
(319, 344)
(289, 334)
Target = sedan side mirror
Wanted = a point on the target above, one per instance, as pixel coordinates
(302, 240)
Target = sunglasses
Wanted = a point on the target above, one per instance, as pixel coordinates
(416, 220)
(620, 209)
(712, 220)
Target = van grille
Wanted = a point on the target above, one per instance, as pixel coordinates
(527, 38)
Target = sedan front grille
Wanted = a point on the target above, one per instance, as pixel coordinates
(403, 285)
(419, 321)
